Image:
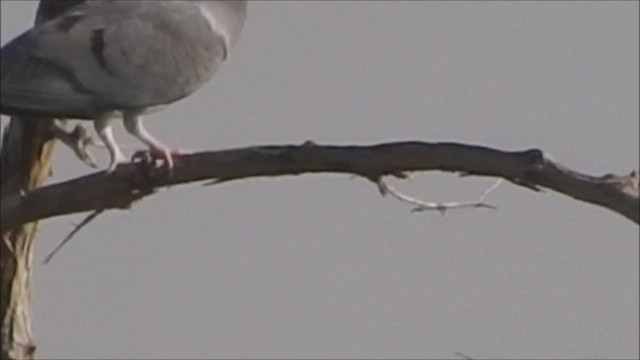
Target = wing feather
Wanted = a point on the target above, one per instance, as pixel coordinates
(31, 86)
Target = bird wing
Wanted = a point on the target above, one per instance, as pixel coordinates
(110, 55)
(34, 86)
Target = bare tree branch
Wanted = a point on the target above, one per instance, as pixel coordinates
(132, 182)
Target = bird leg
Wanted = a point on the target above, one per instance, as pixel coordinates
(105, 132)
(77, 140)
(133, 125)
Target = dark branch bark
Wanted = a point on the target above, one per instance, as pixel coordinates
(26, 164)
(132, 182)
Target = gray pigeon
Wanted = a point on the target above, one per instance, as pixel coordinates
(105, 59)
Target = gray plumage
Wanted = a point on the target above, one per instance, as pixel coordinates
(109, 58)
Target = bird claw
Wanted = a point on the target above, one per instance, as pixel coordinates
(164, 154)
(113, 165)
(82, 142)
(156, 158)
(78, 140)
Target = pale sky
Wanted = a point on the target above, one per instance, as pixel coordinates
(320, 266)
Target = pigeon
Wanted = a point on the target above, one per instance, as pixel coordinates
(107, 59)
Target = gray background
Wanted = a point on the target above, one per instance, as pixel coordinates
(321, 266)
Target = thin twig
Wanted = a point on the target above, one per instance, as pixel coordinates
(463, 356)
(420, 205)
(84, 223)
